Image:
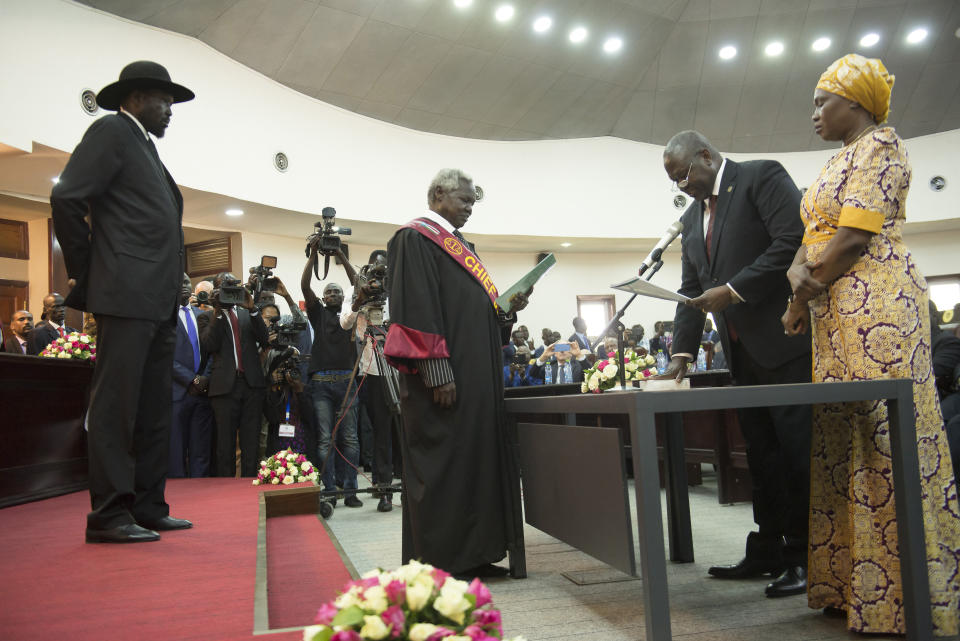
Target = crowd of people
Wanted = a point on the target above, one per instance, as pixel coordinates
(803, 287)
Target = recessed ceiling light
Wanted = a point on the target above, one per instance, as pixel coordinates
(917, 35)
(565, 244)
(728, 52)
(234, 212)
(820, 44)
(773, 48)
(578, 34)
(869, 39)
(613, 45)
(504, 13)
(55, 180)
(541, 24)
(462, 4)
(957, 32)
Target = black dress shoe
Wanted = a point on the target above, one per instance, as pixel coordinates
(485, 571)
(130, 533)
(831, 611)
(352, 501)
(168, 523)
(384, 505)
(792, 581)
(745, 569)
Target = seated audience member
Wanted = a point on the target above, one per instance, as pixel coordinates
(19, 340)
(659, 341)
(709, 342)
(608, 345)
(191, 430)
(51, 326)
(546, 335)
(517, 373)
(640, 342)
(579, 334)
(564, 365)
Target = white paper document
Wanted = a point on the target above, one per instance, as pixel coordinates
(637, 285)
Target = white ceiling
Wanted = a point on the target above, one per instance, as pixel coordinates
(427, 65)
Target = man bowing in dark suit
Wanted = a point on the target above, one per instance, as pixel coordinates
(125, 267)
(740, 235)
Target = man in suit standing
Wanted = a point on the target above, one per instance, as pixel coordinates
(740, 236)
(51, 326)
(233, 335)
(125, 267)
(21, 326)
(579, 335)
(191, 436)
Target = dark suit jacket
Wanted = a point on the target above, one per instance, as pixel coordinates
(575, 368)
(756, 234)
(183, 372)
(129, 260)
(12, 346)
(217, 339)
(576, 339)
(43, 334)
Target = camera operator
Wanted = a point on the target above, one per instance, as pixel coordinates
(332, 358)
(284, 367)
(231, 332)
(366, 319)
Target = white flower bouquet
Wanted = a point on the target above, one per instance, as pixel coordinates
(416, 602)
(286, 467)
(604, 374)
(75, 345)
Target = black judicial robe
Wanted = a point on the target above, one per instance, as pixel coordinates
(456, 503)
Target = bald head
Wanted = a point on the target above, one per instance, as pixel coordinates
(692, 162)
(687, 144)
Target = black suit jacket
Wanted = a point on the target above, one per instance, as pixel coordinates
(756, 234)
(129, 260)
(579, 341)
(12, 346)
(217, 339)
(576, 369)
(44, 334)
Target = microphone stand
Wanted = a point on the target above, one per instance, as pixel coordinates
(617, 321)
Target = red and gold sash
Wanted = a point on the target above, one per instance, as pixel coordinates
(456, 250)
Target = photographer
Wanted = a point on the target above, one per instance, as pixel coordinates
(284, 364)
(231, 332)
(332, 358)
(559, 363)
(366, 318)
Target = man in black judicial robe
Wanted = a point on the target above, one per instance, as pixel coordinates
(446, 337)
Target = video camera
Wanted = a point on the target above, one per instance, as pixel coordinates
(286, 334)
(327, 234)
(231, 292)
(262, 278)
(373, 276)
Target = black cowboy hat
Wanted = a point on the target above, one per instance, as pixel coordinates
(142, 74)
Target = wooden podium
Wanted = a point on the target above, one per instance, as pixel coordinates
(44, 443)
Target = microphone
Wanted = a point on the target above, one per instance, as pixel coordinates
(654, 256)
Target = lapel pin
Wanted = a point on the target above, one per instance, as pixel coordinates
(729, 189)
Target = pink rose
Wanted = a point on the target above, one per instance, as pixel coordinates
(479, 590)
(394, 618)
(611, 354)
(602, 364)
(440, 577)
(436, 636)
(273, 473)
(396, 591)
(477, 633)
(302, 459)
(346, 635)
(489, 620)
(626, 359)
(325, 614)
(368, 582)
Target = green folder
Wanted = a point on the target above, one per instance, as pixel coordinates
(525, 283)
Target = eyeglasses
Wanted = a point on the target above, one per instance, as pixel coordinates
(682, 184)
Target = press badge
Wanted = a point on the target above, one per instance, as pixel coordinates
(287, 430)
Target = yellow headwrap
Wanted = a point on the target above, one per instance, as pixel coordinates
(862, 80)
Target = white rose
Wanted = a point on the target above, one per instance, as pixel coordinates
(583, 387)
(291, 457)
(375, 599)
(63, 355)
(348, 598)
(85, 339)
(374, 628)
(594, 383)
(288, 480)
(256, 481)
(275, 480)
(610, 371)
(306, 467)
(631, 366)
(452, 605)
(409, 572)
(650, 360)
(263, 463)
(421, 631)
(417, 597)
(311, 631)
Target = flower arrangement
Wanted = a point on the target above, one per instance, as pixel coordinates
(416, 602)
(604, 373)
(286, 467)
(76, 345)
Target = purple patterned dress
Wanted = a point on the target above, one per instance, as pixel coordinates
(871, 323)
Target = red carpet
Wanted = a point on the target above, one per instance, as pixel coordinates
(193, 584)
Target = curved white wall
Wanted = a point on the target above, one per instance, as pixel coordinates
(224, 141)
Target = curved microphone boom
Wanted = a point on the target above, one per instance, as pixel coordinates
(654, 256)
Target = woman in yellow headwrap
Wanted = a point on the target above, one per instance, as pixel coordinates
(856, 286)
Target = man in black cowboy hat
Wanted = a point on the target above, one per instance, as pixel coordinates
(125, 267)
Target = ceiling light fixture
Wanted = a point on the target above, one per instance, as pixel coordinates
(613, 45)
(234, 212)
(55, 180)
(504, 13)
(773, 49)
(542, 24)
(870, 39)
(917, 35)
(727, 52)
(821, 44)
(565, 244)
(578, 35)
(462, 4)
